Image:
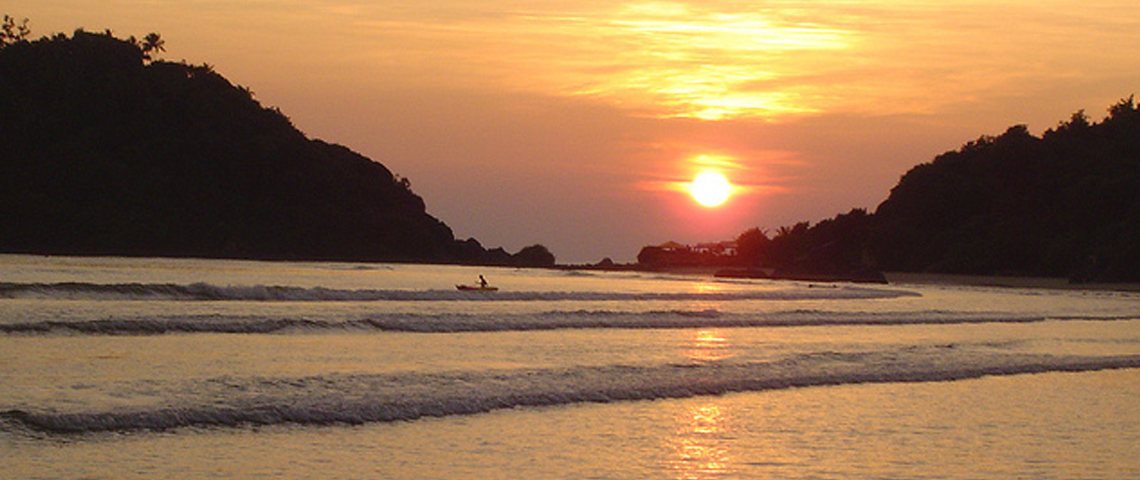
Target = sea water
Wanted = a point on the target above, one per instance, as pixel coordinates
(175, 368)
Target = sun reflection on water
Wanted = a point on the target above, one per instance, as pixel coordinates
(700, 448)
(709, 345)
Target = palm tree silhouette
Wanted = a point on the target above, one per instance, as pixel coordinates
(152, 42)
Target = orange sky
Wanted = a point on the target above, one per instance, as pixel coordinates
(572, 123)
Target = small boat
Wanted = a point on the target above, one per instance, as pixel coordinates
(476, 288)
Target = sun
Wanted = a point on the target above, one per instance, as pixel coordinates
(710, 189)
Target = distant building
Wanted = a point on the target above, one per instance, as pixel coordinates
(673, 254)
(719, 249)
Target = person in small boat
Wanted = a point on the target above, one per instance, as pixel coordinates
(482, 282)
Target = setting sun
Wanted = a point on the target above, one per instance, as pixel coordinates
(710, 189)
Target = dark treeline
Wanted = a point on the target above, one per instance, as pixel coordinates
(106, 151)
(831, 249)
(1066, 204)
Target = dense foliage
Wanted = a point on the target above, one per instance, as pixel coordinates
(1066, 204)
(831, 248)
(104, 151)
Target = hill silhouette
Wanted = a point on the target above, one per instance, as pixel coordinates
(1063, 204)
(1066, 204)
(108, 152)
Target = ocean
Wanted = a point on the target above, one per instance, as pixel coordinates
(140, 368)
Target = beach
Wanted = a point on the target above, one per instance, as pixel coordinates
(144, 368)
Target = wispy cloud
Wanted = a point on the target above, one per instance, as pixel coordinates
(720, 59)
(662, 59)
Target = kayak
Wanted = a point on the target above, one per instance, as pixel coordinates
(476, 288)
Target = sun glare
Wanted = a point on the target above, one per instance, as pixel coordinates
(710, 189)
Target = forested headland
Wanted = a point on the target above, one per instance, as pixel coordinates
(1065, 204)
(106, 150)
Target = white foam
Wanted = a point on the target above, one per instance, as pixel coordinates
(497, 322)
(270, 293)
(352, 399)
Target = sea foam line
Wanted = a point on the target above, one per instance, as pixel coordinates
(357, 399)
(502, 322)
(271, 293)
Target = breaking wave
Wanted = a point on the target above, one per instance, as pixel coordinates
(501, 322)
(356, 399)
(267, 293)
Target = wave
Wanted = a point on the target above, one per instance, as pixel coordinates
(502, 322)
(266, 293)
(357, 399)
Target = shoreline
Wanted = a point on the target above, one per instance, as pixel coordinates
(1051, 283)
(893, 278)
(902, 278)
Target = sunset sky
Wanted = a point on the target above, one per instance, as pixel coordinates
(576, 124)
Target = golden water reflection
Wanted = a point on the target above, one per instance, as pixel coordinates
(700, 442)
(709, 345)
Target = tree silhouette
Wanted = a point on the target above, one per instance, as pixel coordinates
(12, 32)
(152, 42)
(1064, 204)
(534, 256)
(752, 247)
(1122, 109)
(106, 153)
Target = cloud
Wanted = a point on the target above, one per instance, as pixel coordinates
(713, 60)
(779, 61)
